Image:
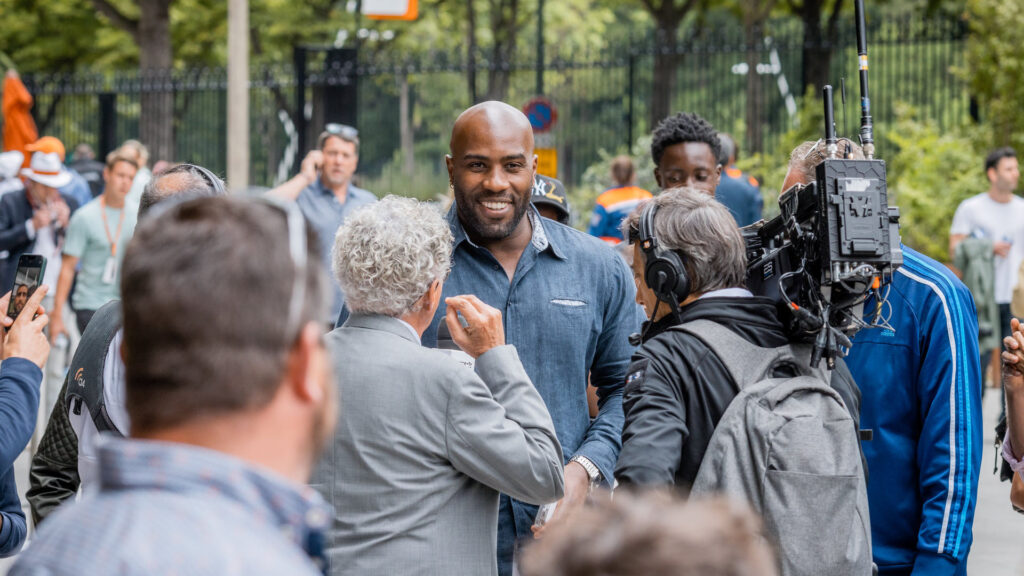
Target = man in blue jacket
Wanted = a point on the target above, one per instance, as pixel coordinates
(921, 395)
(23, 352)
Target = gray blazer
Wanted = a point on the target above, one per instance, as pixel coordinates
(423, 447)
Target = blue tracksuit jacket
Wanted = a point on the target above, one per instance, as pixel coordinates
(921, 395)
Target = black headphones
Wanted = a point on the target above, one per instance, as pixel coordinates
(664, 271)
(216, 184)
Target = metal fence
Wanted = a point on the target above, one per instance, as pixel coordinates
(404, 108)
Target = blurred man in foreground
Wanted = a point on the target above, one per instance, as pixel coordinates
(225, 429)
(654, 535)
(93, 401)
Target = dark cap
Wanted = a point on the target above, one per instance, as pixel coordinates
(550, 192)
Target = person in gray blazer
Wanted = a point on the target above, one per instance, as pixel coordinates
(425, 442)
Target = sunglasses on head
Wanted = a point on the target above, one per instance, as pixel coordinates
(344, 130)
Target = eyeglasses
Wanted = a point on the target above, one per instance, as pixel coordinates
(297, 250)
(344, 130)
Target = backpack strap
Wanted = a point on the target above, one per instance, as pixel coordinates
(747, 363)
(85, 375)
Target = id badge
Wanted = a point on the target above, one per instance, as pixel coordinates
(110, 271)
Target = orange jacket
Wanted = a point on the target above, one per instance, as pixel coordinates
(19, 127)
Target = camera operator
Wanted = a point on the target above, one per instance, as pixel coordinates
(676, 389)
(921, 388)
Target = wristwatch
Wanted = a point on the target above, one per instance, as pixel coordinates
(590, 467)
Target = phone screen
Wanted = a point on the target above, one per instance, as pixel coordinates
(28, 277)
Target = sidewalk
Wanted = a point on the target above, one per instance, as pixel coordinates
(998, 531)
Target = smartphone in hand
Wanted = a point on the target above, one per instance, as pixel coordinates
(29, 276)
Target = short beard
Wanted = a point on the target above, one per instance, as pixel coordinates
(488, 232)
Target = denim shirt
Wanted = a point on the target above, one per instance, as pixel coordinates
(325, 215)
(569, 311)
(167, 508)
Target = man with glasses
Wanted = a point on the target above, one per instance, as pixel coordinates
(324, 191)
(226, 429)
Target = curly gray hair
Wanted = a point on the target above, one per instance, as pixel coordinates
(387, 255)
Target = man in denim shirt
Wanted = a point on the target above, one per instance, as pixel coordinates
(230, 397)
(567, 300)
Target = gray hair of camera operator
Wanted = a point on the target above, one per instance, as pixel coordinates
(387, 254)
(703, 231)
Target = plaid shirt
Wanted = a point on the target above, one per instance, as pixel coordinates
(166, 508)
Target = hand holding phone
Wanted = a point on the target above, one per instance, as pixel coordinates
(311, 165)
(23, 337)
(27, 279)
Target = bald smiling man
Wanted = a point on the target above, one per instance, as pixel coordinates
(567, 301)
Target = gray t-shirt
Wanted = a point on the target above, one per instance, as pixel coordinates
(984, 217)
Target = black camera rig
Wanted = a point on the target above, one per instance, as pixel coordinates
(835, 242)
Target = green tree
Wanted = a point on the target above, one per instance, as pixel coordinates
(995, 67)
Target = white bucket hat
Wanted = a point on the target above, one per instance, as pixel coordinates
(47, 169)
(10, 162)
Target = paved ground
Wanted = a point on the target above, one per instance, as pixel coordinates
(998, 530)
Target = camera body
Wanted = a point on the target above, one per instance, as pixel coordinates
(834, 240)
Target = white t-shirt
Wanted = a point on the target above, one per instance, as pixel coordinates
(46, 244)
(983, 217)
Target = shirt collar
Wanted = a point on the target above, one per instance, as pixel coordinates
(727, 293)
(541, 240)
(412, 330)
(298, 511)
(318, 185)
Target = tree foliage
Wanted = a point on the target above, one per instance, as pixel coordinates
(995, 67)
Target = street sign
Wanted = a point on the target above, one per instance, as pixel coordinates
(542, 114)
(391, 9)
(547, 161)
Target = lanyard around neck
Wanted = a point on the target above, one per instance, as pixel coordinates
(106, 226)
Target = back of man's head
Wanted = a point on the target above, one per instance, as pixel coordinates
(206, 287)
(702, 231)
(84, 152)
(182, 183)
(805, 158)
(622, 170)
(728, 154)
(653, 535)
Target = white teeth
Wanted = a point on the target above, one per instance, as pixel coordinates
(495, 205)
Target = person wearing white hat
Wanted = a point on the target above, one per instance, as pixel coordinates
(35, 221)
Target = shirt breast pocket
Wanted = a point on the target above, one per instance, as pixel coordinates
(570, 317)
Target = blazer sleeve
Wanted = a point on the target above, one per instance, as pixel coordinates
(498, 430)
(950, 445)
(53, 476)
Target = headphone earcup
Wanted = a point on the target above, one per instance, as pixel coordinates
(666, 276)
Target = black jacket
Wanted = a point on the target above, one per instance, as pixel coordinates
(677, 390)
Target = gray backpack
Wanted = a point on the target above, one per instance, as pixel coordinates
(789, 447)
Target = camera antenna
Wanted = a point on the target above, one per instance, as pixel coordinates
(830, 124)
(842, 100)
(867, 138)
